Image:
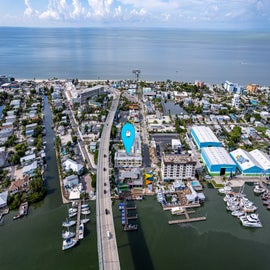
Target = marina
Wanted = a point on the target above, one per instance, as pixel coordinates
(71, 238)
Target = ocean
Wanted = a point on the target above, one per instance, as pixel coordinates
(113, 53)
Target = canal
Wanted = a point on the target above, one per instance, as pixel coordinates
(34, 242)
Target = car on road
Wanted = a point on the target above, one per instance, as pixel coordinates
(107, 211)
(105, 155)
(105, 191)
(104, 169)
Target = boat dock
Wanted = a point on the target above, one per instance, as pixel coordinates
(125, 218)
(187, 218)
(169, 207)
(78, 221)
(23, 211)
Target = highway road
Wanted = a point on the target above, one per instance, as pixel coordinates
(107, 245)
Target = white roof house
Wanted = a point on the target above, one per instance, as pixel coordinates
(29, 169)
(28, 158)
(3, 199)
(70, 164)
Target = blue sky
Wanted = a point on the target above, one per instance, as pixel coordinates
(219, 14)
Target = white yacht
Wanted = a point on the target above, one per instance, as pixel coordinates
(81, 231)
(251, 221)
(258, 189)
(68, 243)
(237, 213)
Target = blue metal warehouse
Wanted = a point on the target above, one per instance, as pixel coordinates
(204, 137)
(218, 161)
(251, 163)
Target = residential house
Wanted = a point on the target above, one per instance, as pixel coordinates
(19, 185)
(70, 164)
(3, 199)
(71, 181)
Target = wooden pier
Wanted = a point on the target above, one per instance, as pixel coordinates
(131, 208)
(126, 226)
(78, 221)
(169, 207)
(187, 218)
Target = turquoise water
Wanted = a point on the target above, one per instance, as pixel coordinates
(112, 53)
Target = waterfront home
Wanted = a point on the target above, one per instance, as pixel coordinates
(3, 199)
(29, 129)
(19, 185)
(71, 165)
(27, 159)
(132, 176)
(30, 169)
(71, 181)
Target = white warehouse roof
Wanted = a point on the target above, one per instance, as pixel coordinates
(205, 134)
(244, 159)
(261, 158)
(218, 155)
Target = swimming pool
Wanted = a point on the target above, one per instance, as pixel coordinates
(195, 183)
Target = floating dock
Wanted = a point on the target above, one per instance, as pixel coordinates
(187, 218)
(78, 221)
(125, 218)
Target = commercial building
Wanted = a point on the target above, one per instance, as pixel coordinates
(177, 167)
(236, 101)
(218, 161)
(204, 137)
(251, 163)
(80, 96)
(133, 159)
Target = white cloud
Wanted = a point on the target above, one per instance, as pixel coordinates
(154, 12)
(100, 7)
(29, 11)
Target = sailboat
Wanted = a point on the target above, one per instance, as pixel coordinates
(68, 243)
(67, 234)
(85, 219)
(68, 223)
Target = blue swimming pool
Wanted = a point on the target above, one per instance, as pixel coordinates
(195, 183)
